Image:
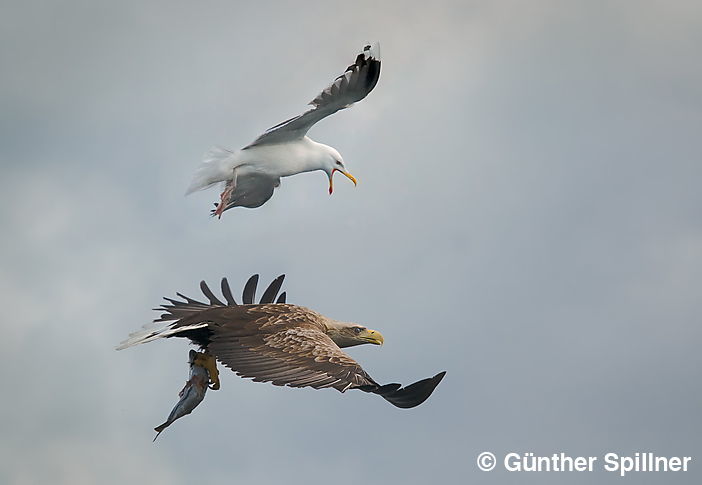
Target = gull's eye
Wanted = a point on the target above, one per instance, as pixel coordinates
(357, 330)
(339, 163)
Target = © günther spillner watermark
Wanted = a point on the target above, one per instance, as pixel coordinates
(562, 462)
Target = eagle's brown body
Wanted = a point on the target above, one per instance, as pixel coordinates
(277, 342)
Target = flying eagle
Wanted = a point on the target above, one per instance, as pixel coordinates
(251, 174)
(277, 342)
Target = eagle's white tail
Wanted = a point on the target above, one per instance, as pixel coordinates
(156, 330)
(216, 166)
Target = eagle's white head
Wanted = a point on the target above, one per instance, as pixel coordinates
(345, 334)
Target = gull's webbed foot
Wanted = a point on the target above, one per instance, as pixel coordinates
(224, 197)
(208, 362)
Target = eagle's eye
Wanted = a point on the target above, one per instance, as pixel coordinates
(339, 163)
(357, 330)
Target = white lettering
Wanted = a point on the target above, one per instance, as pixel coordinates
(611, 463)
(512, 463)
(626, 464)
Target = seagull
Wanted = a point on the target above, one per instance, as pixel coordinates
(252, 173)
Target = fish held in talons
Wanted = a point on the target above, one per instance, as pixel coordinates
(194, 391)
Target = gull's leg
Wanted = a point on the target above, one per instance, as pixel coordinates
(208, 362)
(225, 196)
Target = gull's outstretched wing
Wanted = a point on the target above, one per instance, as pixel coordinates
(353, 85)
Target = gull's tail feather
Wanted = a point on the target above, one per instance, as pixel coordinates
(216, 166)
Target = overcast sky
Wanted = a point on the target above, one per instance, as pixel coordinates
(528, 218)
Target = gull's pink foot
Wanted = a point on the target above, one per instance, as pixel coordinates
(218, 211)
(224, 200)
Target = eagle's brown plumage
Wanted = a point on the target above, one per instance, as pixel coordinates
(277, 342)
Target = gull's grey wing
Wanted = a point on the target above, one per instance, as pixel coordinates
(353, 85)
(252, 191)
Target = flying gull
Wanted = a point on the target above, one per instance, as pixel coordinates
(277, 342)
(251, 174)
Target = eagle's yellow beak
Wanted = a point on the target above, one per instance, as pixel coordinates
(373, 337)
(348, 176)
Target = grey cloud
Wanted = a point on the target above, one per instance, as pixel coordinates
(527, 218)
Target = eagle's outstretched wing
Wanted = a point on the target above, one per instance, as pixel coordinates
(273, 341)
(283, 344)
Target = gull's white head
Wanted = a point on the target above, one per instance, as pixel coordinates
(332, 162)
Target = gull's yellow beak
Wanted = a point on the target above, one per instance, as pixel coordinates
(373, 337)
(348, 176)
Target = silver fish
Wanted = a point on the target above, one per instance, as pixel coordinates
(192, 394)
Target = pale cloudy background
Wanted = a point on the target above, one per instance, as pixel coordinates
(528, 218)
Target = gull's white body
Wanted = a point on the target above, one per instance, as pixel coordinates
(290, 158)
(253, 172)
(274, 161)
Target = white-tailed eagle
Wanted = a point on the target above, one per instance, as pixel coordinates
(277, 342)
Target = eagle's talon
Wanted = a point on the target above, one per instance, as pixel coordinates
(209, 363)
